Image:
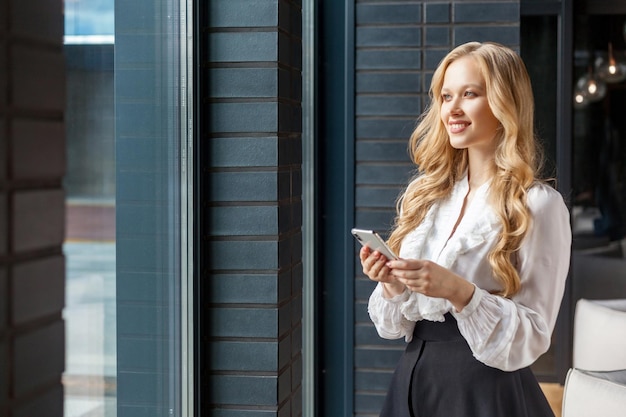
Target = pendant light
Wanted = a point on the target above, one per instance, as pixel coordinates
(589, 88)
(611, 70)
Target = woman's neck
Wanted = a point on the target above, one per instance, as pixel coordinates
(479, 172)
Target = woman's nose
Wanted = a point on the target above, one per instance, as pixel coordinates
(455, 109)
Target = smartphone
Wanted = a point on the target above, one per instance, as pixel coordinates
(374, 241)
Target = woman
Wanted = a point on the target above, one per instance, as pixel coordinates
(484, 249)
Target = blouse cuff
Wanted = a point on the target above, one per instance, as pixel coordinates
(471, 307)
(386, 315)
(479, 322)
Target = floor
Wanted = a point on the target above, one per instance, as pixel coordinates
(554, 394)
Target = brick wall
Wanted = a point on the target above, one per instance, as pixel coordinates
(398, 46)
(251, 247)
(32, 208)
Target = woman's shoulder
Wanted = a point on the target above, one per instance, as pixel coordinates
(542, 196)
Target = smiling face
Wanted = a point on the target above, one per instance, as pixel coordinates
(465, 110)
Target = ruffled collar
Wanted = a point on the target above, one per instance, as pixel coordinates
(479, 223)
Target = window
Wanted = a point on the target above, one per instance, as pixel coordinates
(128, 188)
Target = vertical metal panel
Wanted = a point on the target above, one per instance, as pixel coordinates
(187, 208)
(337, 208)
(309, 208)
(564, 325)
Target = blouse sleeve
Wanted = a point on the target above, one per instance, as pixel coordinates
(387, 316)
(510, 334)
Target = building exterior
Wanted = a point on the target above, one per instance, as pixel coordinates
(294, 117)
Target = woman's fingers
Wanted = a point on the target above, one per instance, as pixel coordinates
(374, 265)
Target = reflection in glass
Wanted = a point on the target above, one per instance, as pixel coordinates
(123, 186)
(90, 316)
(610, 68)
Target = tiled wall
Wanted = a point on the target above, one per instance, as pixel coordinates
(251, 219)
(32, 208)
(398, 46)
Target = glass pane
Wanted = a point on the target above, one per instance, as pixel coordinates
(599, 158)
(124, 244)
(599, 128)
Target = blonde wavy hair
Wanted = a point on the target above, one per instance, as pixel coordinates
(517, 157)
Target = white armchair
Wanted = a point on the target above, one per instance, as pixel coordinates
(590, 393)
(600, 335)
(596, 385)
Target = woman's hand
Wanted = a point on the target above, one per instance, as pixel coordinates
(375, 267)
(431, 279)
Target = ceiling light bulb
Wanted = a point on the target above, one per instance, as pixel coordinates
(592, 87)
(610, 69)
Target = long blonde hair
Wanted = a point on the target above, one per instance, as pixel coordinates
(517, 156)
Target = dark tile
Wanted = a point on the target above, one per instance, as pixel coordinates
(388, 36)
(381, 220)
(38, 219)
(243, 322)
(506, 35)
(31, 369)
(493, 12)
(243, 390)
(437, 13)
(46, 403)
(437, 36)
(370, 380)
(387, 105)
(433, 57)
(243, 152)
(385, 128)
(38, 289)
(235, 288)
(376, 358)
(244, 117)
(388, 13)
(243, 13)
(33, 88)
(243, 82)
(378, 150)
(242, 255)
(387, 82)
(48, 138)
(243, 186)
(377, 197)
(388, 59)
(242, 46)
(249, 356)
(38, 19)
(243, 221)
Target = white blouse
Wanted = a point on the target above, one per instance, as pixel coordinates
(503, 333)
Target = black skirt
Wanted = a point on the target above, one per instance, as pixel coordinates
(437, 376)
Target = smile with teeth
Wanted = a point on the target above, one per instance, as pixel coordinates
(457, 127)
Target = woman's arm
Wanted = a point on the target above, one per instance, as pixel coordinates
(387, 316)
(512, 333)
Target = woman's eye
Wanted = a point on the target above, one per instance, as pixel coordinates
(446, 97)
(470, 94)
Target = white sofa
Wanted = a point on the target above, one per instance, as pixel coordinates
(590, 394)
(600, 335)
(596, 385)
